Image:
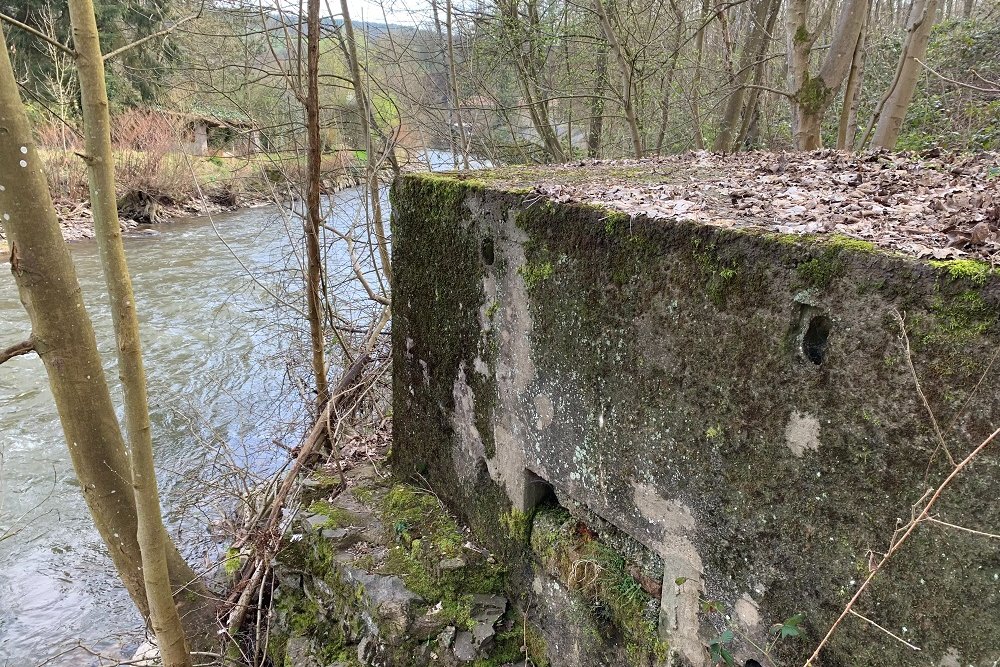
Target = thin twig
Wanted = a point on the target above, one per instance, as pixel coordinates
(122, 49)
(899, 543)
(920, 392)
(894, 636)
(968, 530)
(961, 84)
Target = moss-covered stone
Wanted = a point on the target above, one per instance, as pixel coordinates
(664, 379)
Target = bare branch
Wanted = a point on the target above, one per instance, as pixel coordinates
(40, 35)
(160, 33)
(961, 84)
(894, 636)
(24, 347)
(923, 397)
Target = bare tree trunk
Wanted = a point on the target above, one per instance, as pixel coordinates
(313, 219)
(699, 48)
(64, 339)
(364, 108)
(967, 6)
(151, 534)
(453, 76)
(852, 95)
(753, 52)
(900, 93)
(449, 103)
(812, 95)
(668, 79)
(626, 73)
(597, 102)
(528, 67)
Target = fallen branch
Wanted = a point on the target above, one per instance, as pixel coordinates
(961, 84)
(24, 347)
(320, 430)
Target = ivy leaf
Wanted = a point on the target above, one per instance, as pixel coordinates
(680, 580)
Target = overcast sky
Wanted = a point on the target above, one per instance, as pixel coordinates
(406, 12)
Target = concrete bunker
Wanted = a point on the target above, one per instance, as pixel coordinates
(718, 413)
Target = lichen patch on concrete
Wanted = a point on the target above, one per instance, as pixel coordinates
(802, 433)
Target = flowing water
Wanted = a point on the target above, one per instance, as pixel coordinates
(217, 357)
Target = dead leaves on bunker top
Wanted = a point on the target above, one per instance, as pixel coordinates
(933, 206)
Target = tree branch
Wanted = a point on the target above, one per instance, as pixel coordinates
(122, 49)
(40, 35)
(962, 84)
(783, 93)
(24, 347)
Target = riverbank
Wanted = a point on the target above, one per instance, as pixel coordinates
(161, 188)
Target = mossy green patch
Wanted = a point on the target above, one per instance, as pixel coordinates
(535, 273)
(336, 517)
(719, 277)
(970, 270)
(585, 564)
(813, 95)
(830, 263)
(426, 535)
(517, 524)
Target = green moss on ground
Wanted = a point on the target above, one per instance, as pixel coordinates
(336, 517)
(603, 577)
(425, 535)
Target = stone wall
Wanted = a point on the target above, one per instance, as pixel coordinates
(678, 435)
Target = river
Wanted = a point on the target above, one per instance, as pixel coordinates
(217, 353)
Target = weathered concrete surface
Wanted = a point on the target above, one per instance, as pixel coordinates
(730, 409)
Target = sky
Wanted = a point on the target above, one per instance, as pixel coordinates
(402, 12)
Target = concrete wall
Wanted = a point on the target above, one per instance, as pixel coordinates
(724, 418)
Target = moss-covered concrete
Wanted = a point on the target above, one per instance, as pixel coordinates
(382, 574)
(737, 402)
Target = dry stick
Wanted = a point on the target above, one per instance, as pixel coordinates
(975, 390)
(962, 84)
(920, 392)
(122, 49)
(24, 347)
(897, 544)
(894, 636)
(36, 33)
(993, 536)
(315, 436)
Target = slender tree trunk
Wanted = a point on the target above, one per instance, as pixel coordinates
(151, 534)
(899, 95)
(453, 77)
(597, 101)
(64, 339)
(313, 219)
(447, 96)
(668, 79)
(753, 52)
(365, 114)
(699, 48)
(528, 63)
(625, 68)
(852, 95)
